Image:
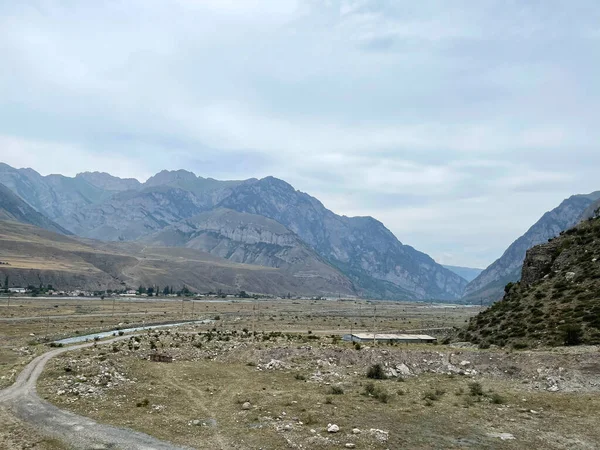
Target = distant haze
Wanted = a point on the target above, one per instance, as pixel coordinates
(457, 124)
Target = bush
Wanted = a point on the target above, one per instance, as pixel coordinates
(434, 395)
(572, 334)
(475, 389)
(377, 392)
(336, 390)
(144, 402)
(376, 372)
(497, 399)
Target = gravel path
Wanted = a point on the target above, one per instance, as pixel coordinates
(78, 432)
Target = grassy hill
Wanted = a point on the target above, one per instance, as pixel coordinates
(32, 256)
(557, 301)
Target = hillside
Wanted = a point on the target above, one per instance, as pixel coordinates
(488, 286)
(248, 239)
(31, 255)
(361, 247)
(557, 300)
(12, 207)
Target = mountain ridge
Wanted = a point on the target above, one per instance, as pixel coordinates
(100, 206)
(489, 285)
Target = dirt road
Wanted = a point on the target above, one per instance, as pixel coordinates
(76, 431)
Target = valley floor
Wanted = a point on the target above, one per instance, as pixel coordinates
(281, 387)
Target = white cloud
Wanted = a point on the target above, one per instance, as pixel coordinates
(456, 124)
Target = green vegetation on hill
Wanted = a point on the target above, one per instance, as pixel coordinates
(557, 301)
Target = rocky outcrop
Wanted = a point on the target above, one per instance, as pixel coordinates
(556, 302)
(252, 239)
(489, 285)
(12, 207)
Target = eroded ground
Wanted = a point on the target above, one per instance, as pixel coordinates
(297, 385)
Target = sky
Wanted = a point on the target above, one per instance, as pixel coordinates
(457, 124)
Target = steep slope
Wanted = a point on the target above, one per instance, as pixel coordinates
(132, 214)
(14, 208)
(31, 256)
(467, 273)
(488, 286)
(251, 239)
(54, 195)
(557, 300)
(361, 247)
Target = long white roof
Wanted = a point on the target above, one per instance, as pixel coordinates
(423, 337)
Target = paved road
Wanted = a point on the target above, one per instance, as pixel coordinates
(77, 431)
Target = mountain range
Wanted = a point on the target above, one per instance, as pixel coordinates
(257, 223)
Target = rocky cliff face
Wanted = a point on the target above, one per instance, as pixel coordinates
(13, 208)
(54, 195)
(134, 214)
(251, 239)
(489, 285)
(361, 247)
(556, 302)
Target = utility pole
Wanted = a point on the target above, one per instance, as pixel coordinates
(182, 307)
(47, 325)
(193, 309)
(253, 321)
(113, 308)
(374, 324)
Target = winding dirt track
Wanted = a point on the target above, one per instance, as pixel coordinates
(76, 431)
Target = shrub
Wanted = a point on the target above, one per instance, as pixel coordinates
(376, 372)
(497, 399)
(336, 390)
(434, 395)
(475, 389)
(572, 334)
(144, 402)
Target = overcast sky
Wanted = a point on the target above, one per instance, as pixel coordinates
(456, 123)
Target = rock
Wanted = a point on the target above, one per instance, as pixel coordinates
(247, 406)
(465, 363)
(355, 431)
(380, 435)
(502, 436)
(553, 388)
(332, 428)
(403, 369)
(350, 445)
(196, 423)
(570, 275)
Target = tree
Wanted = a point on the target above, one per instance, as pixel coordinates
(150, 291)
(6, 284)
(141, 290)
(166, 290)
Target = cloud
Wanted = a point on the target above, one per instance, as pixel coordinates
(456, 124)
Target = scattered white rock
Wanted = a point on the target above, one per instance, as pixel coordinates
(380, 435)
(247, 406)
(350, 445)
(332, 428)
(356, 431)
(502, 436)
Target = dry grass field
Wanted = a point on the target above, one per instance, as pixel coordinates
(298, 377)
